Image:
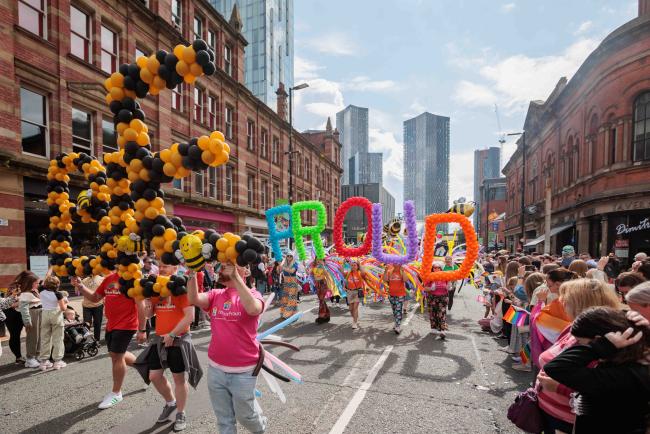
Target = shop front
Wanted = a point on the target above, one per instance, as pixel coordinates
(629, 234)
(256, 227)
(196, 218)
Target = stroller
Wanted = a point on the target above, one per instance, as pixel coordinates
(79, 341)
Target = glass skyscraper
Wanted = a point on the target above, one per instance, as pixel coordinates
(487, 163)
(268, 28)
(352, 123)
(426, 163)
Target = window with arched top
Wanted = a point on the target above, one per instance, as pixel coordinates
(570, 173)
(641, 146)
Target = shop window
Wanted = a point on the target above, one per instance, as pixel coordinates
(275, 152)
(198, 105)
(250, 135)
(82, 138)
(264, 144)
(250, 183)
(80, 41)
(33, 123)
(177, 98)
(198, 182)
(229, 179)
(227, 59)
(177, 7)
(642, 127)
(198, 27)
(109, 137)
(264, 194)
(212, 112)
(109, 50)
(229, 120)
(32, 16)
(178, 183)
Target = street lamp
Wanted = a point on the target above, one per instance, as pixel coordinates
(523, 184)
(291, 151)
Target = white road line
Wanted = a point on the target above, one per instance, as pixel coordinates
(484, 374)
(360, 394)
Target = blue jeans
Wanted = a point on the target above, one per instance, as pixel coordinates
(233, 399)
(261, 285)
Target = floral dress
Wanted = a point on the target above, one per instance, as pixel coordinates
(290, 288)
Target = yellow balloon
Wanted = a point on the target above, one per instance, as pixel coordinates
(178, 51)
(189, 55)
(153, 64)
(182, 68)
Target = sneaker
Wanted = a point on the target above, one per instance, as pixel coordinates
(523, 368)
(516, 359)
(398, 330)
(110, 400)
(354, 325)
(181, 422)
(166, 412)
(442, 335)
(59, 364)
(20, 360)
(32, 363)
(45, 365)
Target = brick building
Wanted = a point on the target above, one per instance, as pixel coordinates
(55, 58)
(590, 144)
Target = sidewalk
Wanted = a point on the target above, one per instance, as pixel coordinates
(74, 302)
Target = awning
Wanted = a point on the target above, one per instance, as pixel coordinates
(554, 231)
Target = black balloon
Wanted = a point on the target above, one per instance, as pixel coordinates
(240, 246)
(249, 255)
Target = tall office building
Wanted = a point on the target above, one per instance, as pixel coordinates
(487, 163)
(366, 168)
(352, 123)
(426, 163)
(268, 28)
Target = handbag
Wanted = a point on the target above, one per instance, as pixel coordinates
(525, 412)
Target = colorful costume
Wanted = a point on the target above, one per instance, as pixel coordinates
(290, 288)
(321, 292)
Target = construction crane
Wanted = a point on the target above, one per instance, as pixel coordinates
(502, 136)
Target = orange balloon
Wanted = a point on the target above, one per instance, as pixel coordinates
(151, 213)
(182, 68)
(169, 169)
(170, 234)
(189, 55)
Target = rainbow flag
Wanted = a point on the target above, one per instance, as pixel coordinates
(515, 316)
(524, 353)
(509, 315)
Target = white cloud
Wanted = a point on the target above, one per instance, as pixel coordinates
(474, 95)
(334, 43)
(518, 79)
(461, 175)
(363, 83)
(304, 69)
(583, 27)
(508, 7)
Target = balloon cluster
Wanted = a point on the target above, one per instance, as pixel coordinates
(341, 248)
(92, 204)
(198, 247)
(158, 286)
(84, 266)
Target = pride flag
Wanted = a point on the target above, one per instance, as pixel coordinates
(515, 316)
(524, 353)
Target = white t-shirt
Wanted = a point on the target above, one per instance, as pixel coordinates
(50, 299)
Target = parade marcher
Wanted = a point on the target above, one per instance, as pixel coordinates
(93, 312)
(450, 266)
(395, 278)
(319, 274)
(54, 304)
(354, 286)
(276, 281)
(31, 310)
(290, 287)
(437, 293)
(234, 352)
(171, 348)
(125, 317)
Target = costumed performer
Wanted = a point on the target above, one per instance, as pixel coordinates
(124, 317)
(234, 352)
(320, 281)
(171, 348)
(450, 266)
(395, 278)
(290, 287)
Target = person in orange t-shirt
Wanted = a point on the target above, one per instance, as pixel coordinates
(395, 278)
(174, 315)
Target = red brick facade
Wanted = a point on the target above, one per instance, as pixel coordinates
(582, 140)
(45, 64)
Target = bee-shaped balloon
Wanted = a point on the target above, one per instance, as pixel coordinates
(83, 200)
(464, 208)
(130, 244)
(191, 248)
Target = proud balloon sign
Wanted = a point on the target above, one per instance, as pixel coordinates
(372, 243)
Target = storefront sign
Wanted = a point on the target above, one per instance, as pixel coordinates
(39, 265)
(633, 204)
(622, 248)
(624, 229)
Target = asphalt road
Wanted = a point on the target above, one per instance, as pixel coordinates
(355, 381)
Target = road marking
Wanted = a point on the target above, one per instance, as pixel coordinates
(360, 394)
(484, 374)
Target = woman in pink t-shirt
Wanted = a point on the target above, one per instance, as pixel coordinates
(234, 351)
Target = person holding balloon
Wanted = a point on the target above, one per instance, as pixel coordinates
(395, 278)
(437, 294)
(354, 286)
(290, 287)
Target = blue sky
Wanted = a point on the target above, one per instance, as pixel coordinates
(450, 57)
